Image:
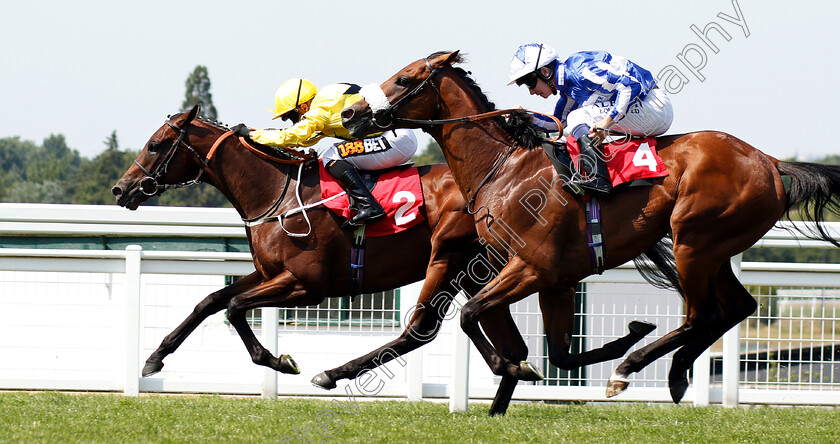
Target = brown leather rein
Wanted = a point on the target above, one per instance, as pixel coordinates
(477, 117)
(302, 157)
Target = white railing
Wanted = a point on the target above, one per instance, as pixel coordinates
(441, 369)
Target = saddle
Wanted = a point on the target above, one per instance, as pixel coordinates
(631, 163)
(397, 189)
(371, 177)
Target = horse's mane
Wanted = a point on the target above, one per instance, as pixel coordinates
(517, 125)
(212, 122)
(269, 150)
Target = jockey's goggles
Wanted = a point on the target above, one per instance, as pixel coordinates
(529, 80)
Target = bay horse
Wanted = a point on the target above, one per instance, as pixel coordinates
(720, 197)
(299, 271)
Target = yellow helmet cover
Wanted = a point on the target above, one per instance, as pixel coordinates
(292, 93)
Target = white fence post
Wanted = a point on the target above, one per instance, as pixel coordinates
(732, 353)
(270, 330)
(414, 361)
(459, 388)
(133, 255)
(702, 378)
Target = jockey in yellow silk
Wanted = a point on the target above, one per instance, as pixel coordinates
(316, 114)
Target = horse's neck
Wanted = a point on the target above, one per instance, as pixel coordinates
(250, 183)
(471, 149)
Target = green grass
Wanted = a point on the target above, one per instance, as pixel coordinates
(55, 418)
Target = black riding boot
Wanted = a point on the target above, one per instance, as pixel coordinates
(596, 182)
(366, 206)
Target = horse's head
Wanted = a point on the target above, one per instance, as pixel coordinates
(411, 93)
(167, 161)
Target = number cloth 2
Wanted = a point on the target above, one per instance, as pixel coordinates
(398, 191)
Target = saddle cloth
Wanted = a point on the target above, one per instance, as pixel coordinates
(627, 161)
(398, 190)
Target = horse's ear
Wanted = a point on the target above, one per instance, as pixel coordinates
(192, 114)
(453, 57)
(446, 58)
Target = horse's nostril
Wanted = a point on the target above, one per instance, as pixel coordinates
(117, 191)
(348, 113)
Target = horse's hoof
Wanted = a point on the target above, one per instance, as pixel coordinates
(641, 328)
(288, 365)
(527, 372)
(678, 389)
(323, 381)
(616, 387)
(151, 368)
(617, 383)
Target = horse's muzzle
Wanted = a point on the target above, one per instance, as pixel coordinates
(128, 198)
(356, 123)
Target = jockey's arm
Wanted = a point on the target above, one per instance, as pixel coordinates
(627, 92)
(307, 132)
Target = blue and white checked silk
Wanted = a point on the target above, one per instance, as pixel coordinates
(590, 77)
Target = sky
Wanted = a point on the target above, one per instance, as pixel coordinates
(86, 68)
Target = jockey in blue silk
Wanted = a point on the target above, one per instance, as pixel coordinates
(597, 91)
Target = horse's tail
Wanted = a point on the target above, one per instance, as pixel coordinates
(813, 189)
(658, 266)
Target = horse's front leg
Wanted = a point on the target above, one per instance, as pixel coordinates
(515, 282)
(283, 290)
(213, 303)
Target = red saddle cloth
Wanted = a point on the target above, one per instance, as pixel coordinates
(398, 191)
(628, 161)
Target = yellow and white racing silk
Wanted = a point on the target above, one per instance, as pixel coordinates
(322, 120)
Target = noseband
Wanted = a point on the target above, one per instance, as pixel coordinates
(150, 184)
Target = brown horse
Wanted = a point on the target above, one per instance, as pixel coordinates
(300, 271)
(720, 197)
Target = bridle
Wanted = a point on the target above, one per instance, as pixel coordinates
(388, 114)
(150, 184)
(384, 118)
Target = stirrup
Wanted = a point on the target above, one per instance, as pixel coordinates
(597, 186)
(367, 215)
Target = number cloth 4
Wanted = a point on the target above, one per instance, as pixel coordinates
(627, 161)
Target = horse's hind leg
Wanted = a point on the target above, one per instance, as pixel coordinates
(213, 303)
(281, 291)
(558, 309)
(735, 304)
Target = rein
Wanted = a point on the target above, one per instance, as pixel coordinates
(389, 120)
(487, 179)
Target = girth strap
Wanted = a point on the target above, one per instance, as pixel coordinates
(357, 261)
(594, 234)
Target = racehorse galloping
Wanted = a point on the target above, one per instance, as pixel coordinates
(300, 271)
(720, 197)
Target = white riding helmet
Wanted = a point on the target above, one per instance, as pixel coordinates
(529, 58)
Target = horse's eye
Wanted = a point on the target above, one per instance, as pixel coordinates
(154, 147)
(402, 81)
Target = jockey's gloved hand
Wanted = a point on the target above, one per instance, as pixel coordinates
(241, 130)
